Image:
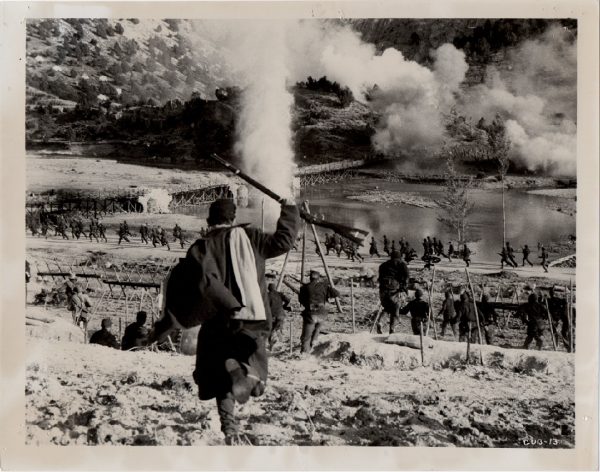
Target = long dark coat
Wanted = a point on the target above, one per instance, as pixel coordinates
(202, 289)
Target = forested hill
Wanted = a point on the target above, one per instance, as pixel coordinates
(133, 62)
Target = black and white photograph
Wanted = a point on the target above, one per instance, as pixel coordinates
(322, 232)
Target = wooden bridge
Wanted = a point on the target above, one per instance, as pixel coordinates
(328, 173)
(192, 197)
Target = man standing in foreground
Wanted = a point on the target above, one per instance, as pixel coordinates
(313, 297)
(419, 311)
(221, 284)
(393, 280)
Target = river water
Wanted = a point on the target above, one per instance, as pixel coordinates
(528, 220)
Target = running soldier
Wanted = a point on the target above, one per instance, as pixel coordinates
(393, 282)
(467, 255)
(448, 313)
(450, 250)
(544, 258)
(533, 314)
(155, 235)
(93, 229)
(510, 252)
(279, 304)
(373, 251)
(559, 314)
(419, 312)
(313, 296)
(490, 318)
(123, 233)
(386, 245)
(163, 238)
(144, 233)
(526, 252)
(102, 230)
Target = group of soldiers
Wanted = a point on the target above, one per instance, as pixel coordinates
(135, 335)
(433, 250)
(465, 314)
(40, 224)
(334, 242)
(507, 256)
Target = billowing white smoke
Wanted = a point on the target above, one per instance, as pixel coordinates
(265, 136)
(538, 98)
(409, 97)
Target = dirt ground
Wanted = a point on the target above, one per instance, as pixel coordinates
(354, 390)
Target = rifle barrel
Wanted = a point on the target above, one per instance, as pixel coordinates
(247, 178)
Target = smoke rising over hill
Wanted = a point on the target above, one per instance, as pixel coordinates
(536, 94)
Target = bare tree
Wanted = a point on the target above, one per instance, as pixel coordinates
(499, 148)
(455, 203)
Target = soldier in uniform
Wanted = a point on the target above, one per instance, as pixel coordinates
(504, 258)
(510, 252)
(386, 245)
(467, 255)
(279, 304)
(544, 258)
(419, 312)
(73, 225)
(102, 230)
(393, 281)
(104, 337)
(490, 318)
(373, 251)
(144, 233)
(313, 296)
(533, 315)
(526, 252)
(448, 313)
(466, 319)
(123, 233)
(163, 238)
(559, 314)
(450, 250)
(61, 227)
(136, 334)
(93, 229)
(154, 234)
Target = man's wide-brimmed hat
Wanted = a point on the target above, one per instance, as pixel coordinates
(221, 211)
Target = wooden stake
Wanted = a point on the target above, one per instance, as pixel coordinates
(352, 304)
(421, 342)
(550, 324)
(570, 317)
(322, 256)
(291, 337)
(430, 314)
(469, 343)
(303, 260)
(476, 317)
(282, 273)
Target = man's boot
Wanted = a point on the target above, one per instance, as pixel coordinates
(242, 382)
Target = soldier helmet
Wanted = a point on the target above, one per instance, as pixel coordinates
(221, 211)
(106, 323)
(418, 293)
(314, 274)
(141, 316)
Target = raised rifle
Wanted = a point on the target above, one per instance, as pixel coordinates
(353, 234)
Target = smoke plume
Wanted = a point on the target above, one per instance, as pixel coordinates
(537, 96)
